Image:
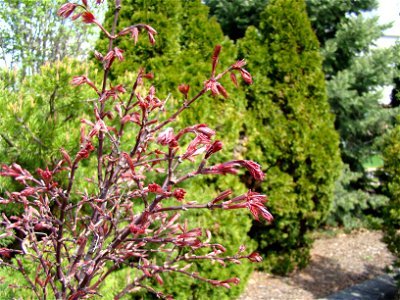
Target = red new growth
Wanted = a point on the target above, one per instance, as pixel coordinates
(66, 10)
(179, 194)
(88, 17)
(120, 199)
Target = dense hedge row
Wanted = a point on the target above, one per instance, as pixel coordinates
(282, 121)
(290, 128)
(391, 156)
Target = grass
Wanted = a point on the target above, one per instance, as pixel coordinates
(374, 161)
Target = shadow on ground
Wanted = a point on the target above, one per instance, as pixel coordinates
(325, 275)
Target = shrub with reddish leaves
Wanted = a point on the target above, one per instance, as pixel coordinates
(77, 244)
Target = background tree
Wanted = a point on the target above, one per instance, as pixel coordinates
(391, 169)
(289, 128)
(36, 36)
(236, 15)
(40, 114)
(187, 38)
(355, 71)
(391, 159)
(40, 110)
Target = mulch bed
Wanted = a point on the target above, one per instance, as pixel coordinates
(336, 263)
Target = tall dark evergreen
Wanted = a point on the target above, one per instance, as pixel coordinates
(236, 15)
(183, 51)
(390, 178)
(289, 128)
(355, 71)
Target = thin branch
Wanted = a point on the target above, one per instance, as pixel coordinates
(7, 140)
(23, 272)
(186, 207)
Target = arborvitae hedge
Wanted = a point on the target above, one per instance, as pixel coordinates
(182, 54)
(289, 130)
(391, 157)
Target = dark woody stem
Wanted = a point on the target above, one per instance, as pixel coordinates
(178, 112)
(187, 104)
(102, 105)
(186, 207)
(103, 190)
(21, 269)
(112, 171)
(60, 231)
(142, 132)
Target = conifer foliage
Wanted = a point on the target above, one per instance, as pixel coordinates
(392, 187)
(355, 71)
(40, 114)
(290, 130)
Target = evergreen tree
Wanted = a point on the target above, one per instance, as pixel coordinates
(390, 178)
(184, 46)
(31, 34)
(40, 114)
(289, 129)
(391, 183)
(236, 15)
(356, 72)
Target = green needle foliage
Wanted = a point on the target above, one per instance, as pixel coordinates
(184, 46)
(289, 129)
(392, 185)
(236, 15)
(355, 71)
(40, 114)
(390, 178)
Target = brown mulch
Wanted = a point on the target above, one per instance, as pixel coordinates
(336, 263)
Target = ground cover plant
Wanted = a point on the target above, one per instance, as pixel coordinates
(132, 215)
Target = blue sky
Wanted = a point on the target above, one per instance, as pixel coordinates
(388, 11)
